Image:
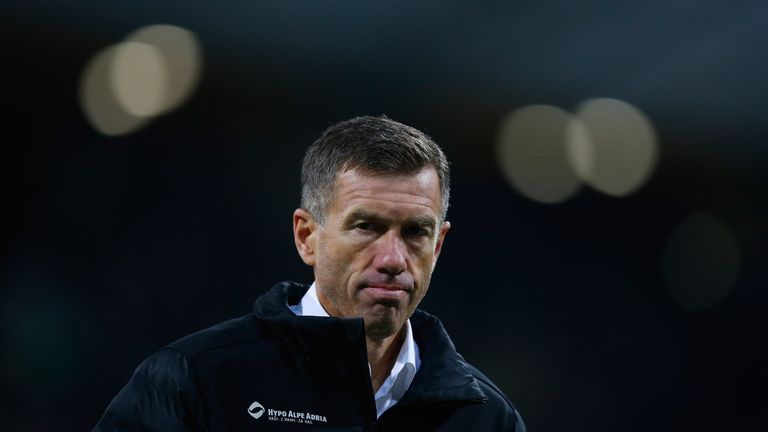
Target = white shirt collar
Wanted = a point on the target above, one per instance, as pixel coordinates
(309, 304)
(406, 364)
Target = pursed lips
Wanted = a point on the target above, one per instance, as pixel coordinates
(386, 291)
(387, 287)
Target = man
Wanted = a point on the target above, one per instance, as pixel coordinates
(350, 352)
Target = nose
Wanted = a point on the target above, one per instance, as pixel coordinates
(390, 257)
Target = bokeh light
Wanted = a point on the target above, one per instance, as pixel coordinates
(531, 151)
(151, 73)
(182, 60)
(702, 260)
(612, 146)
(98, 101)
(138, 78)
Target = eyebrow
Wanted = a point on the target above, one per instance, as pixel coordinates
(360, 214)
(425, 221)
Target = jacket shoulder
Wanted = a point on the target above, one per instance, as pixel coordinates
(227, 334)
(162, 395)
(498, 400)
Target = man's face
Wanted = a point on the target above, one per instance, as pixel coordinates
(374, 256)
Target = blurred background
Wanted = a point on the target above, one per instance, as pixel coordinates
(607, 261)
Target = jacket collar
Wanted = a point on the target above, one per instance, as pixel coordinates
(444, 374)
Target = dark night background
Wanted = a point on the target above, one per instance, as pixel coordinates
(114, 246)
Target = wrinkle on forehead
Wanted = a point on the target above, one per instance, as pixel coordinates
(421, 188)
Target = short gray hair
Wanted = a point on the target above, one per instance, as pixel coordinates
(376, 145)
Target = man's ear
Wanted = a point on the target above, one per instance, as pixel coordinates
(439, 243)
(305, 235)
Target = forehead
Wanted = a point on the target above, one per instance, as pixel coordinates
(393, 193)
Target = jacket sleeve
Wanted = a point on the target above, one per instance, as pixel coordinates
(162, 395)
(516, 421)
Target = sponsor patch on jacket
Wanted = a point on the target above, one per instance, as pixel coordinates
(257, 410)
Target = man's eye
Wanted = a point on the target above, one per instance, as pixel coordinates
(415, 231)
(365, 226)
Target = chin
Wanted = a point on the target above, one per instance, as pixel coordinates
(381, 325)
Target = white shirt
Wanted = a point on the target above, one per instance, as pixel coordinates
(406, 364)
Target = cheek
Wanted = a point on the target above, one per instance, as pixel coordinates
(333, 264)
(424, 259)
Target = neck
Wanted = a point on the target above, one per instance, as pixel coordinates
(382, 354)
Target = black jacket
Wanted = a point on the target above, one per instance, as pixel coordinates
(272, 370)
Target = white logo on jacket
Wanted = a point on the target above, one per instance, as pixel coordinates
(256, 410)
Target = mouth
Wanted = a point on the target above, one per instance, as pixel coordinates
(386, 292)
(387, 287)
